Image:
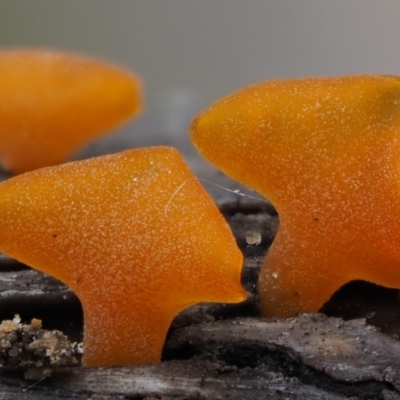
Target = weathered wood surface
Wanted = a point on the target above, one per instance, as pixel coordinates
(29, 283)
(308, 357)
(330, 352)
(177, 380)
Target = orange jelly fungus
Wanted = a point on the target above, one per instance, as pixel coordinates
(51, 103)
(326, 153)
(134, 235)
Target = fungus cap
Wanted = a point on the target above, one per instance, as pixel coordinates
(52, 102)
(135, 236)
(325, 152)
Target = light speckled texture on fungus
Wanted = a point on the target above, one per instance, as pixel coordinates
(325, 152)
(53, 102)
(134, 235)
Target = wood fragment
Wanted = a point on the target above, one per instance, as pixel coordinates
(344, 352)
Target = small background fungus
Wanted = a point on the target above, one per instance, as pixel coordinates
(135, 236)
(51, 103)
(325, 152)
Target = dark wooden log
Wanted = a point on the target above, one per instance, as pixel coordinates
(171, 380)
(348, 357)
(308, 357)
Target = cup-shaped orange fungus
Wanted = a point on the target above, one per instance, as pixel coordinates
(51, 103)
(326, 153)
(134, 235)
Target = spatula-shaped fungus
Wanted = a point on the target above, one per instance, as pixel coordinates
(326, 153)
(51, 103)
(134, 235)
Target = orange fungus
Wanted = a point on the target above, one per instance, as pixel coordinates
(325, 152)
(134, 235)
(51, 103)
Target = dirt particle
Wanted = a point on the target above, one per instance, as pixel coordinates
(36, 323)
(13, 352)
(253, 238)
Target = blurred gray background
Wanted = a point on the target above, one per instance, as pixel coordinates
(189, 52)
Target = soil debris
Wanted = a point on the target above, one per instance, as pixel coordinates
(33, 350)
